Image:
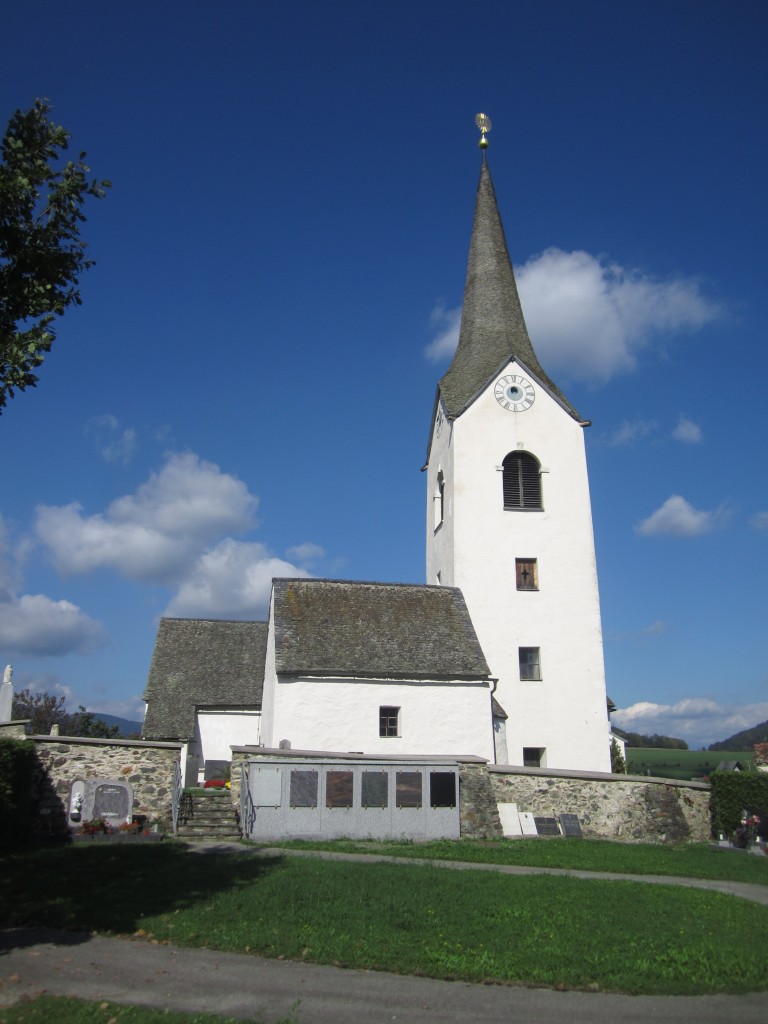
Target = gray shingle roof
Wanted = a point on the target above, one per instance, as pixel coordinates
(374, 630)
(202, 662)
(492, 325)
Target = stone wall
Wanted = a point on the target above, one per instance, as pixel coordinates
(630, 808)
(12, 730)
(147, 766)
(478, 810)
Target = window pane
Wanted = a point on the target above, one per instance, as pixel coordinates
(530, 665)
(375, 789)
(532, 756)
(388, 721)
(408, 789)
(339, 787)
(303, 789)
(442, 789)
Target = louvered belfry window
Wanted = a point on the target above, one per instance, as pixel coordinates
(522, 481)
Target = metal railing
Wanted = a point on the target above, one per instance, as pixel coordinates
(178, 790)
(247, 808)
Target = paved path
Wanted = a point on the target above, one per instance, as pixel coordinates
(248, 987)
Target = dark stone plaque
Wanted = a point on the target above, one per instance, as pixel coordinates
(547, 826)
(303, 788)
(570, 825)
(408, 789)
(375, 789)
(112, 800)
(338, 789)
(216, 770)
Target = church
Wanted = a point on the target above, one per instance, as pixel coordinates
(497, 656)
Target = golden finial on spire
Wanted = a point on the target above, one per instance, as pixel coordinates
(483, 122)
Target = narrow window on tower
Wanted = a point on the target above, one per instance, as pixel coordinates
(530, 663)
(521, 482)
(527, 574)
(389, 721)
(439, 499)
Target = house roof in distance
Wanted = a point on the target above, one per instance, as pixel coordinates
(374, 630)
(202, 662)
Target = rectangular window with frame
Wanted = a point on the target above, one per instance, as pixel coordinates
(530, 663)
(389, 721)
(533, 757)
(527, 573)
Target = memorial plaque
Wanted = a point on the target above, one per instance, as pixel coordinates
(408, 789)
(216, 770)
(375, 789)
(339, 788)
(112, 801)
(547, 826)
(510, 820)
(303, 788)
(570, 825)
(527, 823)
(266, 786)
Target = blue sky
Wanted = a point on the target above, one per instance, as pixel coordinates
(247, 388)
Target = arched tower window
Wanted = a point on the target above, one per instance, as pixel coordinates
(522, 481)
(439, 499)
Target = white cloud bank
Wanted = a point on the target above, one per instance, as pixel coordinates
(174, 530)
(35, 625)
(698, 720)
(589, 319)
(687, 431)
(678, 518)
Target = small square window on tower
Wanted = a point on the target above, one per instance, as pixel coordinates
(533, 757)
(530, 662)
(389, 721)
(527, 574)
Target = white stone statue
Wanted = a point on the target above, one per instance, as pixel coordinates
(6, 695)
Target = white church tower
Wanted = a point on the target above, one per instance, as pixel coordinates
(509, 519)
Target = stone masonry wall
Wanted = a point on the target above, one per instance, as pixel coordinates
(624, 807)
(478, 810)
(148, 768)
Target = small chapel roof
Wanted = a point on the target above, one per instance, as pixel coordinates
(202, 662)
(374, 630)
(492, 328)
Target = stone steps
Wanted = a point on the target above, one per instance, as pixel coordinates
(208, 814)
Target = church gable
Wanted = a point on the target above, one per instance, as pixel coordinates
(374, 631)
(202, 662)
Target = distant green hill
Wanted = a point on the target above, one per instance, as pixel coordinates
(125, 725)
(745, 739)
(679, 764)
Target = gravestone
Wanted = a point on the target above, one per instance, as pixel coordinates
(570, 825)
(110, 799)
(215, 770)
(527, 823)
(510, 820)
(547, 826)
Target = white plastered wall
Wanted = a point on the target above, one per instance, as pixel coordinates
(218, 730)
(343, 715)
(475, 549)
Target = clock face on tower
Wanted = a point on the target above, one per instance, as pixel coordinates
(514, 393)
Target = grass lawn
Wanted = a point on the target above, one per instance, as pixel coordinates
(681, 764)
(691, 860)
(473, 926)
(76, 1011)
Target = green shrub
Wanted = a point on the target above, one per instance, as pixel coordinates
(17, 760)
(736, 792)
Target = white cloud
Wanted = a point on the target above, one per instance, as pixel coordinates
(656, 628)
(759, 521)
(678, 518)
(698, 720)
(35, 625)
(155, 534)
(447, 321)
(631, 430)
(590, 319)
(114, 444)
(233, 581)
(687, 431)
(306, 553)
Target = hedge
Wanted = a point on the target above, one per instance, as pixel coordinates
(17, 760)
(736, 792)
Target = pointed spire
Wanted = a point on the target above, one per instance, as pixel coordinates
(492, 329)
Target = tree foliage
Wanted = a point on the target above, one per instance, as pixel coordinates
(41, 253)
(44, 710)
(618, 764)
(744, 740)
(639, 739)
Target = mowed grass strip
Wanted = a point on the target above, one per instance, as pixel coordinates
(690, 860)
(64, 1010)
(473, 926)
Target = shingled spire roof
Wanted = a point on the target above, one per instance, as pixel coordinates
(493, 329)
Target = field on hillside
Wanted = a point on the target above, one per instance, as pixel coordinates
(681, 764)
